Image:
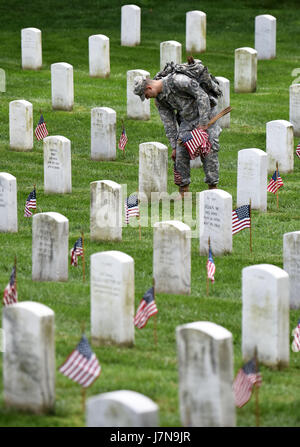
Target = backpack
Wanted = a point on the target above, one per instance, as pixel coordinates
(195, 70)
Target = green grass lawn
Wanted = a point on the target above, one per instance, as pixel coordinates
(146, 368)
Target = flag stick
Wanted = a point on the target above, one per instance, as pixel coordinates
(256, 390)
(83, 397)
(16, 270)
(83, 262)
(155, 322)
(277, 182)
(207, 279)
(139, 219)
(250, 226)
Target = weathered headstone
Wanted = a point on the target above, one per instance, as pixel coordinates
(31, 48)
(50, 242)
(2, 81)
(112, 298)
(130, 25)
(205, 363)
(136, 109)
(291, 264)
(29, 357)
(295, 108)
(57, 165)
(245, 70)
(170, 51)
(103, 133)
(106, 211)
(121, 408)
(172, 257)
(62, 87)
(195, 31)
(99, 59)
(153, 168)
(265, 314)
(280, 145)
(224, 101)
(265, 36)
(215, 221)
(252, 178)
(20, 125)
(8, 203)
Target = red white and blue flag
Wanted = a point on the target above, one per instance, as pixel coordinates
(131, 206)
(41, 129)
(197, 143)
(177, 176)
(10, 295)
(296, 341)
(246, 378)
(76, 251)
(241, 218)
(210, 266)
(275, 183)
(30, 204)
(146, 309)
(298, 150)
(123, 140)
(82, 365)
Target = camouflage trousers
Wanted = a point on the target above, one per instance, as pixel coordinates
(210, 164)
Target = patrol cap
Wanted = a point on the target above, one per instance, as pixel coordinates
(139, 86)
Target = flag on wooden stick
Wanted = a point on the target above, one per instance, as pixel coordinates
(246, 378)
(30, 204)
(131, 206)
(210, 266)
(197, 143)
(146, 309)
(10, 295)
(82, 365)
(298, 150)
(241, 218)
(275, 183)
(41, 129)
(123, 140)
(76, 251)
(296, 341)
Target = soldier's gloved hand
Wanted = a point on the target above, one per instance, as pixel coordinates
(173, 156)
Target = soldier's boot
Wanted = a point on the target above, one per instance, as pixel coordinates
(212, 186)
(183, 190)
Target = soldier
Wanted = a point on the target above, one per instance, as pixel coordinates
(183, 105)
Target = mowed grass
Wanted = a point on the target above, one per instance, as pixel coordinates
(146, 368)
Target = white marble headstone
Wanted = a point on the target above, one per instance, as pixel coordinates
(295, 108)
(252, 178)
(265, 314)
(122, 408)
(99, 58)
(170, 51)
(106, 211)
(103, 133)
(31, 46)
(205, 363)
(57, 165)
(172, 257)
(280, 145)
(265, 36)
(215, 221)
(2, 81)
(153, 168)
(50, 247)
(136, 108)
(62, 86)
(8, 203)
(195, 31)
(29, 357)
(245, 70)
(224, 101)
(112, 298)
(291, 264)
(130, 25)
(20, 125)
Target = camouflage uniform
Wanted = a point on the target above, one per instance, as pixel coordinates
(183, 95)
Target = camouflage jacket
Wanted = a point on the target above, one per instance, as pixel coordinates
(183, 95)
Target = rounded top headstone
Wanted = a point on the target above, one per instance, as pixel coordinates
(211, 329)
(51, 215)
(266, 269)
(37, 309)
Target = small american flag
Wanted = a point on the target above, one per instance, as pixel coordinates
(82, 365)
(76, 251)
(131, 207)
(10, 295)
(30, 204)
(298, 150)
(41, 129)
(296, 341)
(241, 218)
(210, 266)
(177, 176)
(146, 309)
(275, 183)
(123, 140)
(246, 378)
(197, 143)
